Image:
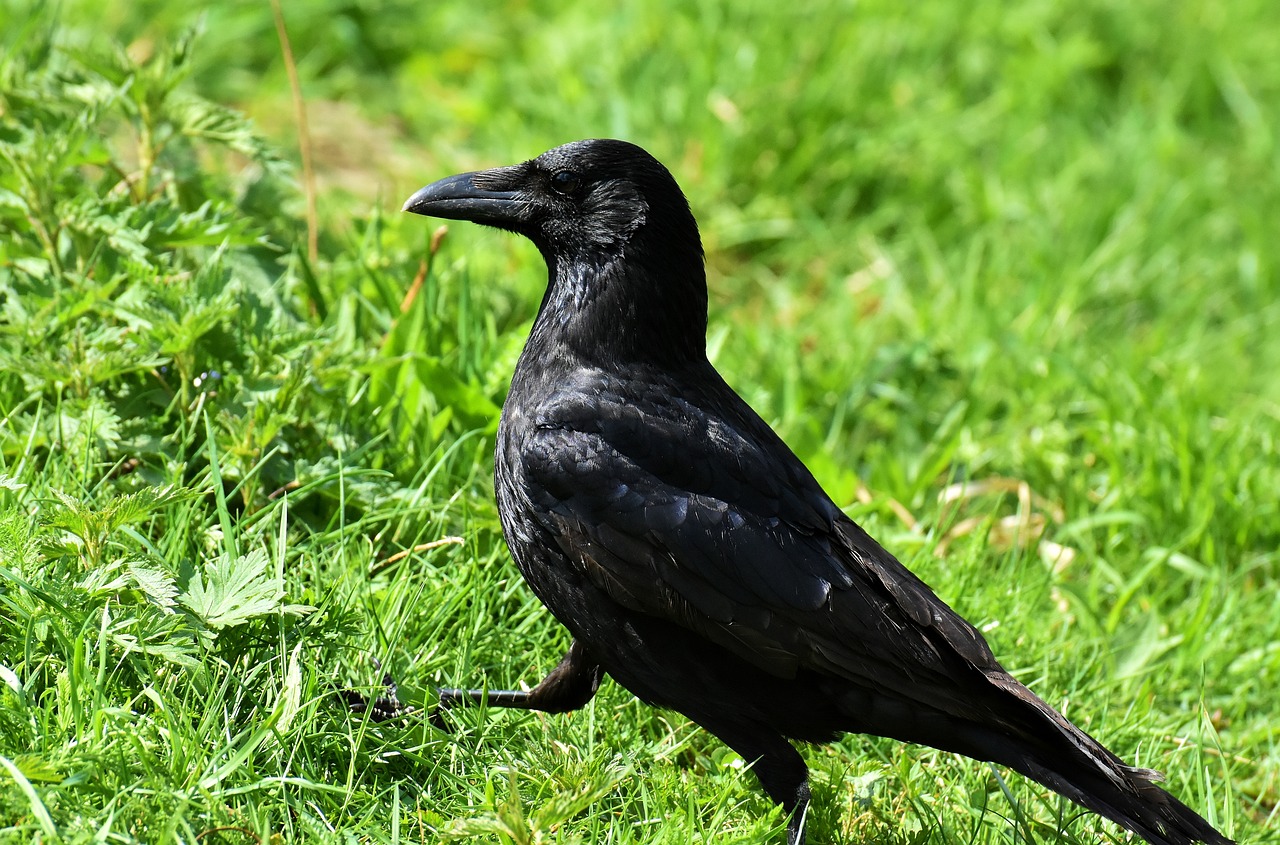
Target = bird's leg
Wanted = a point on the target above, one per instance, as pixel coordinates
(567, 687)
(786, 780)
(782, 771)
(799, 813)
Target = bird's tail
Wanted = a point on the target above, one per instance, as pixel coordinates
(1136, 804)
(1074, 764)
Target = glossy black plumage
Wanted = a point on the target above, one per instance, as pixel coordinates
(691, 555)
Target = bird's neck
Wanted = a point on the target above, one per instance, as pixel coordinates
(630, 311)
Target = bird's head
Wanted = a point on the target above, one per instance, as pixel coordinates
(587, 199)
(620, 242)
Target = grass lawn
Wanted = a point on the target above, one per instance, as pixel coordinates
(1007, 277)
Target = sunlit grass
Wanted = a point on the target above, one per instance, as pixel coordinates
(1005, 277)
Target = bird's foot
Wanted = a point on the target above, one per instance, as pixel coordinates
(381, 709)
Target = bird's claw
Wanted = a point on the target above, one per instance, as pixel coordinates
(381, 709)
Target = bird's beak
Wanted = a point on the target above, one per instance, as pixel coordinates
(462, 197)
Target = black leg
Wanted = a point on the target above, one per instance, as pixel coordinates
(567, 687)
(782, 772)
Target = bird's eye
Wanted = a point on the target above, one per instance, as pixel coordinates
(565, 181)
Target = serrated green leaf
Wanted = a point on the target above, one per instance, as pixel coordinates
(232, 592)
(202, 119)
(134, 507)
(159, 586)
(161, 643)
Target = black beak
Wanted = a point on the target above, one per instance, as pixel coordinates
(461, 198)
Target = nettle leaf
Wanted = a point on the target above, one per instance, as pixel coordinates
(120, 228)
(103, 579)
(130, 508)
(196, 117)
(145, 631)
(71, 516)
(232, 592)
(115, 577)
(121, 510)
(84, 357)
(158, 586)
(174, 318)
(88, 422)
(95, 522)
(210, 224)
(162, 645)
(17, 538)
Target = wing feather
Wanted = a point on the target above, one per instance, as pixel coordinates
(731, 537)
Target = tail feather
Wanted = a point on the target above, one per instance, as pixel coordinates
(1069, 761)
(1139, 807)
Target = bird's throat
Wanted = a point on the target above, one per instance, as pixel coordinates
(619, 312)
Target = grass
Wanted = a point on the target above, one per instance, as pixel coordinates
(1006, 278)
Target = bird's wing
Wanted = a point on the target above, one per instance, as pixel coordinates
(706, 519)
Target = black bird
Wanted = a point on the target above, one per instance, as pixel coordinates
(689, 552)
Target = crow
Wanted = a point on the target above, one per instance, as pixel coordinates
(691, 555)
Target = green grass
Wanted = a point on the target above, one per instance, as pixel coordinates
(947, 243)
